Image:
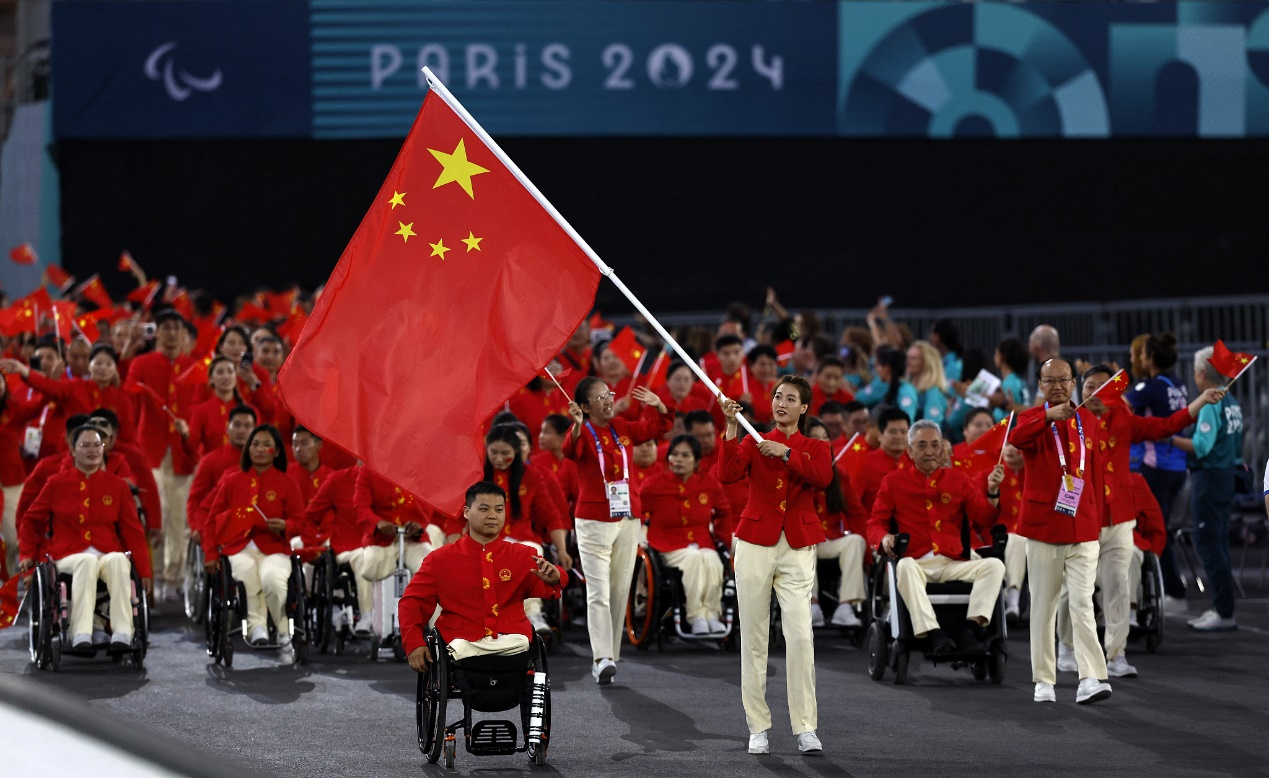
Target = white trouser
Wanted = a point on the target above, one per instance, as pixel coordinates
(173, 494)
(1015, 561)
(848, 550)
(911, 576)
(9, 525)
(608, 550)
(533, 605)
(1114, 558)
(790, 572)
(1134, 576)
(265, 577)
(435, 535)
(365, 595)
(702, 570)
(1048, 565)
(85, 570)
(502, 645)
(379, 562)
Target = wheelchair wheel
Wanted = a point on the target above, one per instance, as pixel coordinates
(901, 667)
(996, 668)
(876, 652)
(194, 587)
(641, 607)
(435, 695)
(320, 606)
(374, 650)
(55, 652)
(38, 624)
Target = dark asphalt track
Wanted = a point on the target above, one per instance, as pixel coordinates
(1200, 707)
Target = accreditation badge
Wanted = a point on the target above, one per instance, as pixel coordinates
(618, 499)
(1068, 499)
(32, 441)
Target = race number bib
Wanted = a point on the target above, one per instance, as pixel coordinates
(618, 499)
(1068, 500)
(32, 441)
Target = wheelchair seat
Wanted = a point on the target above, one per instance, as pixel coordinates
(495, 664)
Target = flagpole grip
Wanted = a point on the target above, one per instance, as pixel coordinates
(442, 92)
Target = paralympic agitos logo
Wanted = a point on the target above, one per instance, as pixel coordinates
(179, 83)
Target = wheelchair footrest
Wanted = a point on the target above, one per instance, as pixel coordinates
(493, 737)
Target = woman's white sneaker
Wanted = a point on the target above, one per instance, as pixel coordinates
(758, 743)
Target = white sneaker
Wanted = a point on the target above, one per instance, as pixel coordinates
(603, 671)
(365, 626)
(539, 623)
(808, 743)
(1044, 693)
(716, 627)
(1092, 690)
(1119, 668)
(259, 636)
(81, 642)
(1066, 659)
(1175, 604)
(1132, 618)
(845, 616)
(287, 655)
(817, 615)
(758, 743)
(700, 627)
(1211, 621)
(1012, 608)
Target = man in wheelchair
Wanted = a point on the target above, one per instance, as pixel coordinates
(85, 519)
(480, 582)
(927, 503)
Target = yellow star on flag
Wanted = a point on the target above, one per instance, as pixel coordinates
(398, 198)
(406, 231)
(438, 249)
(472, 241)
(457, 168)
(1242, 360)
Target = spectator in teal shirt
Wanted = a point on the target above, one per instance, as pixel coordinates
(1214, 453)
(925, 373)
(1011, 362)
(945, 337)
(888, 386)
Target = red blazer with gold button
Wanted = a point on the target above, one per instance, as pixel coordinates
(781, 495)
(592, 501)
(682, 512)
(1121, 427)
(1042, 475)
(931, 509)
(233, 520)
(75, 511)
(378, 500)
(481, 591)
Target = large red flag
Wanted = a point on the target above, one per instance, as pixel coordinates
(1229, 363)
(456, 290)
(9, 602)
(984, 452)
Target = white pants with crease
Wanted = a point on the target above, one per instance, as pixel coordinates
(608, 550)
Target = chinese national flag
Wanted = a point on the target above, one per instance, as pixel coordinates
(95, 292)
(456, 290)
(64, 317)
(252, 313)
(112, 314)
(126, 263)
(58, 277)
(205, 346)
(627, 348)
(87, 326)
(1111, 392)
(1229, 363)
(278, 303)
(196, 374)
(852, 459)
(784, 350)
(24, 254)
(984, 452)
(144, 295)
(290, 329)
(657, 373)
(183, 305)
(9, 602)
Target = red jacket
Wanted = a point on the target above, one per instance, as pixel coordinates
(592, 501)
(81, 395)
(53, 464)
(209, 426)
(932, 509)
(818, 398)
(680, 513)
(143, 479)
(1010, 503)
(481, 591)
(211, 468)
(235, 519)
(1042, 477)
(378, 500)
(539, 512)
(308, 482)
(332, 513)
(737, 494)
(75, 511)
(565, 473)
(877, 465)
(1151, 532)
(15, 415)
(1120, 427)
(152, 379)
(781, 495)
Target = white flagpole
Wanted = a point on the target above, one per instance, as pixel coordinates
(1094, 394)
(1240, 372)
(634, 377)
(845, 448)
(442, 92)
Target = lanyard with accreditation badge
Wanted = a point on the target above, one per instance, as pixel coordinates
(1072, 487)
(617, 492)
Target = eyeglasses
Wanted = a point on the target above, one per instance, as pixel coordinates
(1052, 381)
(599, 397)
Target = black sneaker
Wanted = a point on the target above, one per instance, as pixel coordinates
(970, 640)
(942, 644)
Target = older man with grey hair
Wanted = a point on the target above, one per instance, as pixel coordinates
(1214, 454)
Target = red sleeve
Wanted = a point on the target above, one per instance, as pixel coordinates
(54, 390)
(650, 428)
(33, 524)
(856, 516)
(149, 498)
(292, 507)
(980, 512)
(417, 605)
(319, 515)
(546, 512)
(816, 469)
(215, 512)
(363, 501)
(199, 492)
(1157, 427)
(133, 534)
(31, 489)
(882, 513)
(734, 460)
(1027, 430)
(722, 511)
(193, 442)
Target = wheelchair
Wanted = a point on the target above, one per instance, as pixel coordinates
(489, 684)
(332, 604)
(48, 614)
(656, 608)
(828, 577)
(194, 587)
(890, 638)
(387, 629)
(227, 615)
(1150, 618)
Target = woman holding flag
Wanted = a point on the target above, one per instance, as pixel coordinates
(252, 517)
(99, 389)
(607, 527)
